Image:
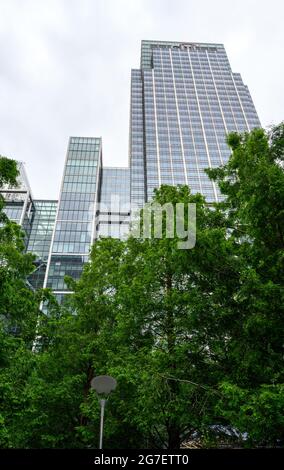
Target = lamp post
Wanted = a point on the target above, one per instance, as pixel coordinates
(103, 385)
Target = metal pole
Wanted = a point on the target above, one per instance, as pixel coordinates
(102, 403)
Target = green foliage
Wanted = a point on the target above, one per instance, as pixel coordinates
(19, 308)
(259, 412)
(152, 305)
(8, 171)
(193, 337)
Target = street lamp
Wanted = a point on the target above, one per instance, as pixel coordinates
(103, 385)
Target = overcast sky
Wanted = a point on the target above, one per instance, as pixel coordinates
(65, 69)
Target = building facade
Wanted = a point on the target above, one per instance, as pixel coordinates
(19, 204)
(40, 238)
(75, 223)
(184, 101)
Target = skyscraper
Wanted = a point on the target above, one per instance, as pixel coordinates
(75, 224)
(184, 100)
(94, 201)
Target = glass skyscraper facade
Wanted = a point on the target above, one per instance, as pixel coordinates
(40, 238)
(184, 101)
(75, 225)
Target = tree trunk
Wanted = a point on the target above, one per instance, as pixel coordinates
(174, 437)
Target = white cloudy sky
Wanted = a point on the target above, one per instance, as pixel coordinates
(65, 68)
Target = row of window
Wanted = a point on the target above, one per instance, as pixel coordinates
(69, 196)
(80, 179)
(75, 215)
(71, 236)
(75, 160)
(86, 147)
(59, 247)
(79, 187)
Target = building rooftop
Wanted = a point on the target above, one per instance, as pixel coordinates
(148, 45)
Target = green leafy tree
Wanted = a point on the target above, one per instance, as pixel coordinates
(197, 327)
(193, 337)
(18, 310)
(157, 318)
(253, 185)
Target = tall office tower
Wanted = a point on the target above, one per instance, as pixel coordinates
(184, 100)
(76, 217)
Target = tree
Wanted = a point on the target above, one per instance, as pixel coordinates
(153, 303)
(253, 185)
(17, 301)
(8, 171)
(194, 337)
(19, 308)
(133, 315)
